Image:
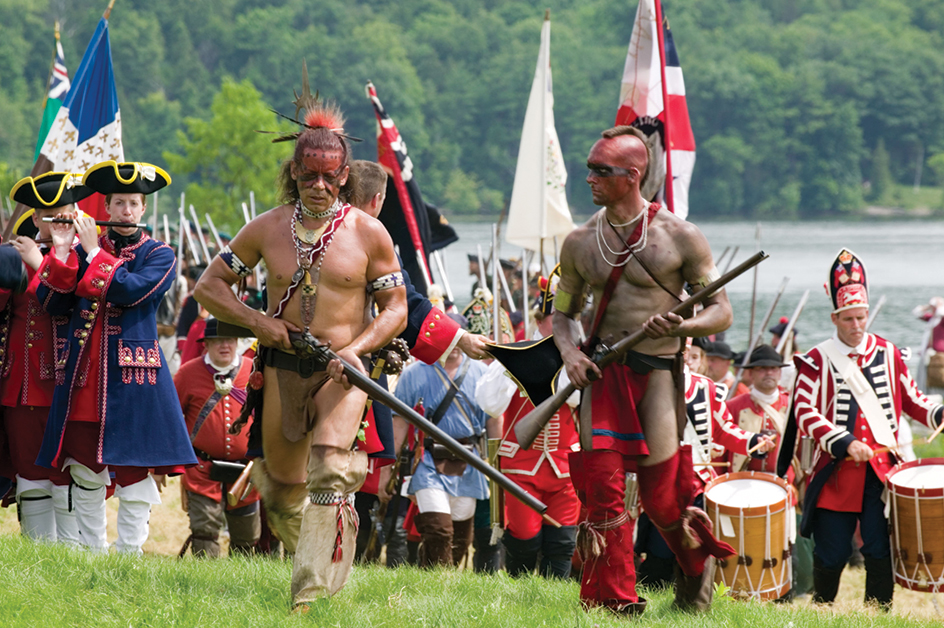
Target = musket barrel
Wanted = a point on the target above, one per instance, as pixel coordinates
(362, 381)
(528, 428)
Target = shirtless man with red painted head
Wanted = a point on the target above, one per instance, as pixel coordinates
(628, 415)
(326, 263)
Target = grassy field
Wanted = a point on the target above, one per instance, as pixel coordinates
(46, 585)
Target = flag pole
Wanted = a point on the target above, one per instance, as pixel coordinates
(111, 5)
(52, 68)
(669, 181)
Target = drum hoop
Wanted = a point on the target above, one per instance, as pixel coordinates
(754, 511)
(906, 491)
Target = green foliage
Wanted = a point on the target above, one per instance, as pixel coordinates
(784, 95)
(880, 176)
(226, 158)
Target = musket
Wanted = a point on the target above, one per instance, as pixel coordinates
(199, 230)
(727, 264)
(528, 428)
(307, 346)
(241, 487)
(782, 344)
(757, 338)
(873, 313)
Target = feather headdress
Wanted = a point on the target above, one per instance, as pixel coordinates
(318, 114)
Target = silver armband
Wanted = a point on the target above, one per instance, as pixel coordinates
(386, 282)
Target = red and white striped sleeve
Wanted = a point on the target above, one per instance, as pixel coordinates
(725, 431)
(813, 386)
(914, 403)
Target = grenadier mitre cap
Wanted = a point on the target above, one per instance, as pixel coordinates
(111, 177)
(548, 286)
(50, 190)
(847, 283)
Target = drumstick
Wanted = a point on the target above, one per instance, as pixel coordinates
(881, 450)
(712, 464)
(936, 432)
(763, 439)
(551, 520)
(100, 223)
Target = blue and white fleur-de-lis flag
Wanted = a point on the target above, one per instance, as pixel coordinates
(87, 128)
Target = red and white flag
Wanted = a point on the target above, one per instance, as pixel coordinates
(652, 98)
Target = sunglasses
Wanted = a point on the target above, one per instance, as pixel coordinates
(603, 171)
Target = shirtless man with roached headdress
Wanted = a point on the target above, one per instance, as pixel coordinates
(646, 255)
(325, 262)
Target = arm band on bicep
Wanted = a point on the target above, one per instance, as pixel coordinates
(386, 282)
(233, 262)
(569, 304)
(706, 280)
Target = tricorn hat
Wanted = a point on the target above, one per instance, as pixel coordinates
(50, 190)
(781, 327)
(111, 177)
(212, 329)
(765, 355)
(719, 349)
(848, 285)
(548, 286)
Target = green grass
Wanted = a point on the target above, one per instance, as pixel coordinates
(45, 585)
(905, 197)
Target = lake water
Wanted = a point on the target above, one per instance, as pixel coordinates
(903, 260)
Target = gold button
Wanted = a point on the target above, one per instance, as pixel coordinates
(32, 322)
(29, 345)
(88, 325)
(94, 305)
(437, 317)
(152, 360)
(427, 334)
(81, 342)
(431, 325)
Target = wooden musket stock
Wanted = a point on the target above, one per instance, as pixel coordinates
(528, 428)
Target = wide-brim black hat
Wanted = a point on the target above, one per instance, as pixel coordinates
(701, 343)
(111, 177)
(765, 355)
(50, 190)
(719, 349)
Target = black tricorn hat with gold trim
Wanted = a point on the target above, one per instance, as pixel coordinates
(130, 177)
(50, 190)
(533, 364)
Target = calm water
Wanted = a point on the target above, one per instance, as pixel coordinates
(903, 260)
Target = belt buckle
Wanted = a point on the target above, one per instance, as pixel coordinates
(306, 367)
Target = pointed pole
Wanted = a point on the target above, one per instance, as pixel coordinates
(52, 67)
(111, 5)
(750, 333)
(524, 296)
(496, 291)
(199, 230)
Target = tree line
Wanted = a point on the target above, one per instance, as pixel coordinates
(800, 108)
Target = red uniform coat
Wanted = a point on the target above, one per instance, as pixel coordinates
(748, 414)
(27, 355)
(710, 429)
(826, 410)
(195, 386)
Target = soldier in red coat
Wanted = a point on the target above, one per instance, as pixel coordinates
(28, 338)
(850, 394)
(212, 391)
(543, 469)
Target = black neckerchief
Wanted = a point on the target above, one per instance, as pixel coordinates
(122, 241)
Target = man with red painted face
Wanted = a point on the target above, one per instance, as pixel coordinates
(326, 263)
(635, 258)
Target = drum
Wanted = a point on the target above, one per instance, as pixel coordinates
(916, 505)
(752, 511)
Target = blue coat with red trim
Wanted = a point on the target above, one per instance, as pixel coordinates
(113, 367)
